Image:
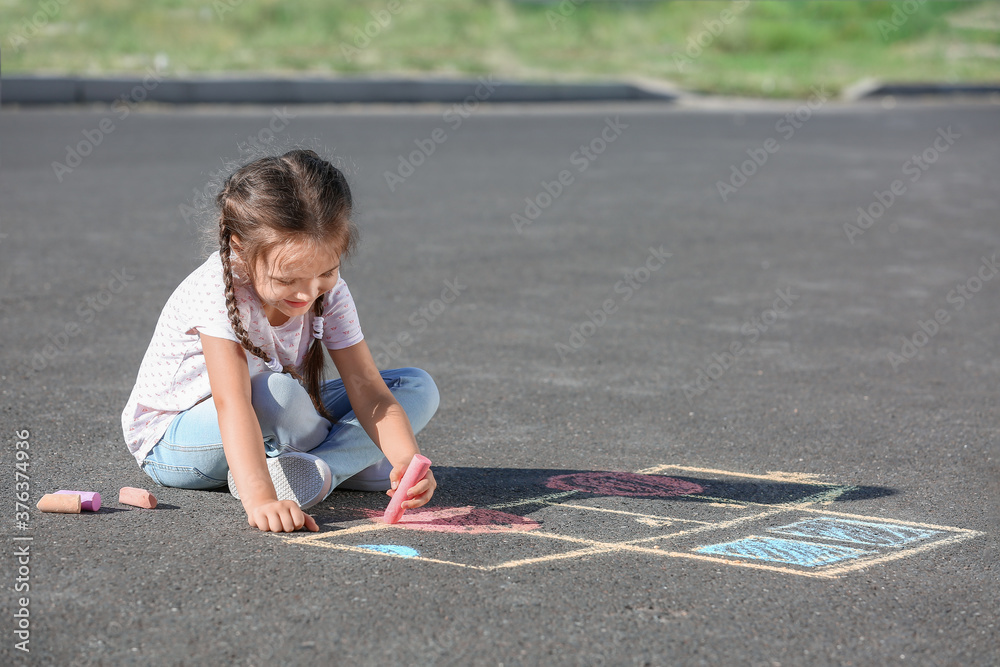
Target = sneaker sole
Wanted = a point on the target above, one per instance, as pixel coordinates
(305, 479)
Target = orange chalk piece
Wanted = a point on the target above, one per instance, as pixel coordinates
(129, 495)
(62, 503)
(415, 472)
(90, 501)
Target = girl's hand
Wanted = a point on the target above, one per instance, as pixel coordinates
(280, 516)
(419, 494)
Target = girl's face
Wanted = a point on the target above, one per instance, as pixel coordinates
(291, 277)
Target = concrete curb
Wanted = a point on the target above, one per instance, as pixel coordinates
(40, 90)
(935, 89)
(873, 88)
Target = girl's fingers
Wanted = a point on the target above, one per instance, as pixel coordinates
(420, 488)
(311, 524)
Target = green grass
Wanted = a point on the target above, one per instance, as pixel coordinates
(770, 49)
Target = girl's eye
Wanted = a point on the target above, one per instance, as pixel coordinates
(286, 283)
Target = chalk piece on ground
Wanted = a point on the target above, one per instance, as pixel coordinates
(63, 503)
(90, 501)
(415, 472)
(129, 495)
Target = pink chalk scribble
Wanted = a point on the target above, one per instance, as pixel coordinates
(469, 520)
(628, 484)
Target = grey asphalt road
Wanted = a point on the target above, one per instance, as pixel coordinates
(681, 422)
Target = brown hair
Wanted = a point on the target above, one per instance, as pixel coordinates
(273, 201)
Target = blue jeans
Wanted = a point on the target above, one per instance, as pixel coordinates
(190, 453)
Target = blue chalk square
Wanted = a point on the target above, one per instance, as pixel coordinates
(777, 550)
(860, 532)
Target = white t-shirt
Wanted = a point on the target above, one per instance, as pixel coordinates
(173, 376)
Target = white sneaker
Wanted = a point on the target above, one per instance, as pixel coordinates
(297, 476)
(372, 478)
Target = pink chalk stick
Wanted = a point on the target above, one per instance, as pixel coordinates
(129, 495)
(415, 472)
(89, 500)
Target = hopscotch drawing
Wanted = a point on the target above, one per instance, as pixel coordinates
(782, 522)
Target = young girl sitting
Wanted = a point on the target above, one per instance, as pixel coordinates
(231, 385)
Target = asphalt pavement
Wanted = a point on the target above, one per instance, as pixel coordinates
(719, 386)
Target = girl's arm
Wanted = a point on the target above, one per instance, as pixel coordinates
(382, 417)
(243, 442)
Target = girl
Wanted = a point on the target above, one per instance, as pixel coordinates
(231, 384)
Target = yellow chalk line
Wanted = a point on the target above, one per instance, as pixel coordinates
(728, 502)
(538, 500)
(877, 519)
(709, 527)
(657, 517)
(369, 552)
(753, 566)
(309, 538)
(551, 557)
(774, 476)
(903, 553)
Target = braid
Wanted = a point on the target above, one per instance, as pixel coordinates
(313, 365)
(225, 253)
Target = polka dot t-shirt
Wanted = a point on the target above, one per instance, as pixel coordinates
(173, 376)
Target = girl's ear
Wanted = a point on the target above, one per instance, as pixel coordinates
(239, 266)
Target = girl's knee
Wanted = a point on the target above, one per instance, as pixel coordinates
(420, 379)
(422, 384)
(275, 394)
(274, 388)
(286, 412)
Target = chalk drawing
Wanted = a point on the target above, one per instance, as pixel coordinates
(624, 484)
(469, 520)
(862, 532)
(776, 550)
(395, 549)
(721, 526)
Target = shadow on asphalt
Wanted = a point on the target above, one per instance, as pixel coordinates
(520, 491)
